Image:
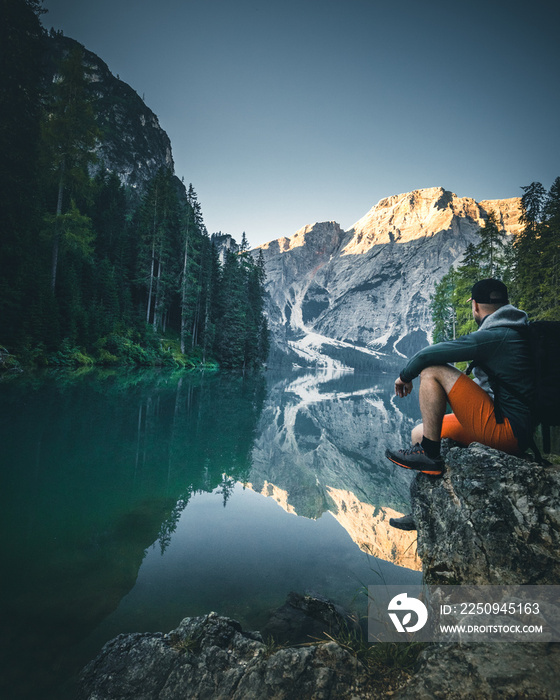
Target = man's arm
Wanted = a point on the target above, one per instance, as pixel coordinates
(475, 346)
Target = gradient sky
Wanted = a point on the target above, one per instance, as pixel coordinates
(283, 113)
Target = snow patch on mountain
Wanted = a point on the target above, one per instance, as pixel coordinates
(337, 298)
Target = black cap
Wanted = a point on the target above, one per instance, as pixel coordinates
(490, 291)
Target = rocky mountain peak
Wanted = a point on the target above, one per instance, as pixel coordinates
(334, 293)
(224, 243)
(507, 213)
(133, 144)
(323, 237)
(418, 214)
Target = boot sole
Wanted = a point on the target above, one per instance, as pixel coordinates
(407, 528)
(414, 469)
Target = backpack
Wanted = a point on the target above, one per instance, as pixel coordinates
(543, 338)
(544, 343)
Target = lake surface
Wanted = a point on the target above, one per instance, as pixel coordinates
(133, 499)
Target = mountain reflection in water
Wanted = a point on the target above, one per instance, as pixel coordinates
(320, 446)
(132, 499)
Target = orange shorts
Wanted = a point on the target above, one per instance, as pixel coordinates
(473, 418)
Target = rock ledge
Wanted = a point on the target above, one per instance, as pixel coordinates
(492, 519)
(212, 657)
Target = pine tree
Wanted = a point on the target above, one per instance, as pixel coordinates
(211, 298)
(69, 137)
(189, 283)
(114, 248)
(256, 329)
(187, 225)
(442, 308)
(532, 205)
(159, 229)
(549, 245)
(263, 330)
(21, 45)
(108, 214)
(468, 272)
(492, 248)
(231, 330)
(528, 253)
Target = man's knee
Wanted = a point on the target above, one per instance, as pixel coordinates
(444, 375)
(429, 372)
(437, 371)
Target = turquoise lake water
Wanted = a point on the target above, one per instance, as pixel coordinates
(133, 499)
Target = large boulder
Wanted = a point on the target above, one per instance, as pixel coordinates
(486, 672)
(212, 658)
(493, 519)
(304, 618)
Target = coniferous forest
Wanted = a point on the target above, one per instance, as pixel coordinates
(528, 263)
(91, 272)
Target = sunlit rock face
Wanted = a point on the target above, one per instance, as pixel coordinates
(349, 294)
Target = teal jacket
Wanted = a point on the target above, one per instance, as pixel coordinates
(501, 350)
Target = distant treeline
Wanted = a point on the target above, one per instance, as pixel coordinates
(89, 273)
(528, 263)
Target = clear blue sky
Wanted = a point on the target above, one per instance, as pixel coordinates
(282, 113)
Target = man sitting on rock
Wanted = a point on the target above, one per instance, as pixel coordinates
(483, 409)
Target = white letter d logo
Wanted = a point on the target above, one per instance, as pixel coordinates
(402, 602)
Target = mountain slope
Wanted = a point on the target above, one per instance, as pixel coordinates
(133, 144)
(369, 287)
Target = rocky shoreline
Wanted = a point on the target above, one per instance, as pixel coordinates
(492, 519)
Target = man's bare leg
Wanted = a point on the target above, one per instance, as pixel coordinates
(435, 384)
(417, 434)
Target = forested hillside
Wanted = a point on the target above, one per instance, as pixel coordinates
(92, 271)
(529, 263)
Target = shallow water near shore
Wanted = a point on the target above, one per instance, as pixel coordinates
(133, 499)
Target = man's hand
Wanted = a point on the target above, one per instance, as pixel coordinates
(402, 388)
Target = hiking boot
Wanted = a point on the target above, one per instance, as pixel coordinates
(415, 458)
(404, 523)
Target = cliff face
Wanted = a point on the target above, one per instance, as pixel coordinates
(369, 288)
(224, 243)
(133, 144)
